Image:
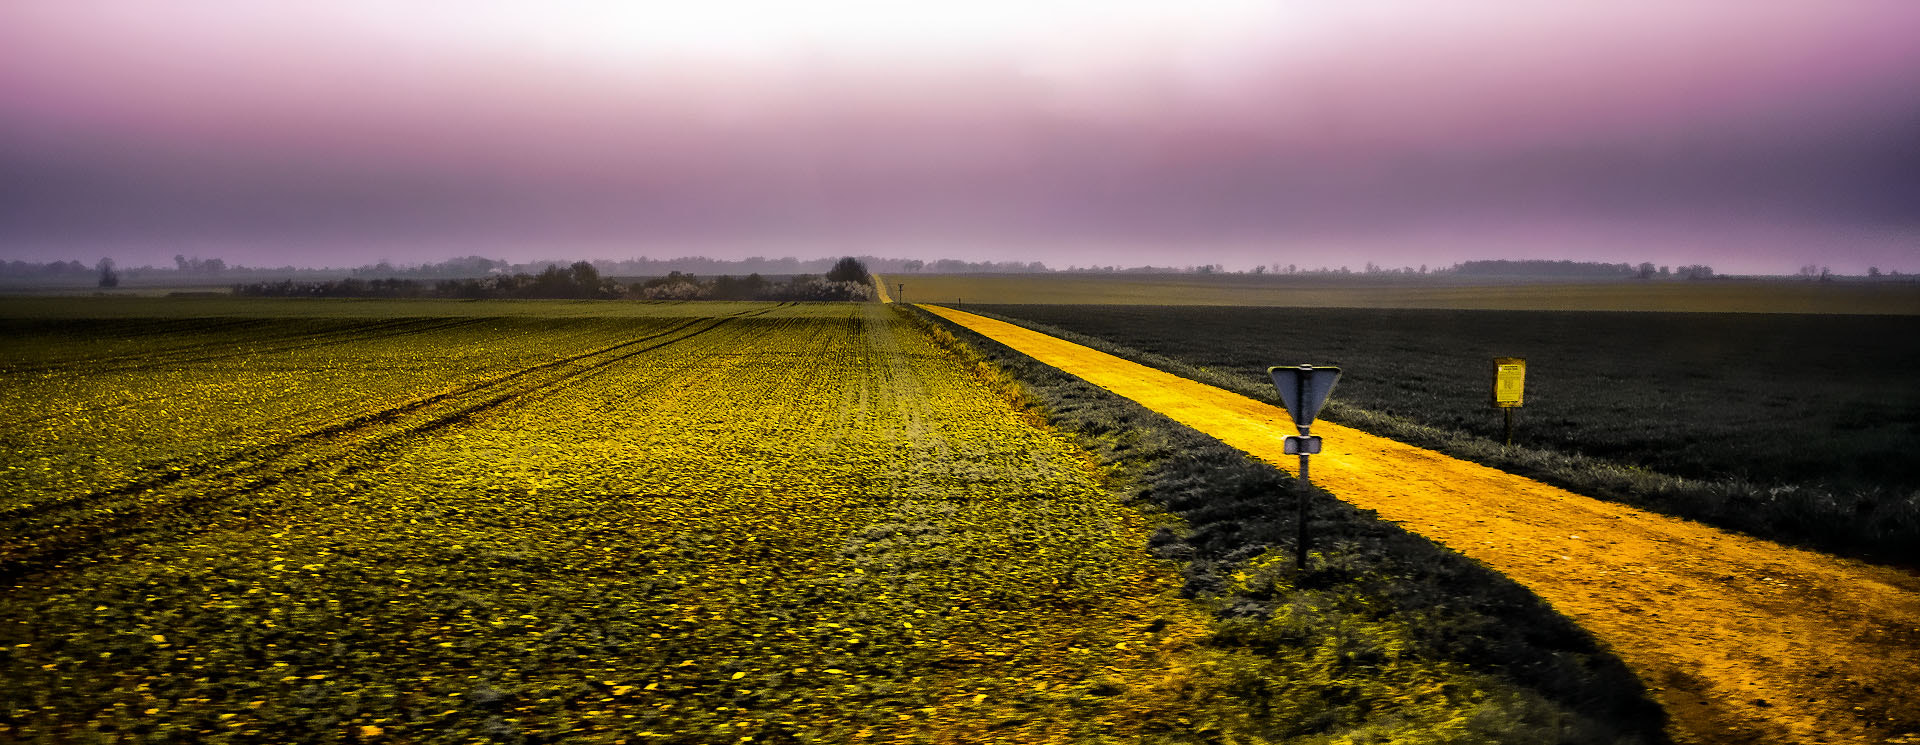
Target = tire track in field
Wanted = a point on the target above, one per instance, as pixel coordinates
(176, 469)
(86, 526)
(1742, 640)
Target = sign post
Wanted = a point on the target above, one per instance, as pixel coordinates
(1304, 390)
(901, 296)
(1509, 387)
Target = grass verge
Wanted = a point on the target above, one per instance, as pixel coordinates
(1383, 637)
(1875, 524)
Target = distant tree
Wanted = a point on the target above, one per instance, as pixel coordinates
(1873, 271)
(849, 269)
(584, 275)
(108, 277)
(725, 287)
(913, 265)
(1645, 271)
(1826, 275)
(197, 265)
(551, 282)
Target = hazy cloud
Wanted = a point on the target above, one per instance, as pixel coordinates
(1398, 132)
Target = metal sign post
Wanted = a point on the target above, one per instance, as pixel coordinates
(1304, 390)
(1509, 387)
(901, 296)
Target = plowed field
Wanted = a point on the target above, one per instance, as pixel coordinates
(1743, 640)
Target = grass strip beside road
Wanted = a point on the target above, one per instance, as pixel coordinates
(1382, 633)
(1740, 637)
(1696, 435)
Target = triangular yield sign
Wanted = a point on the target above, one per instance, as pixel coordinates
(1304, 390)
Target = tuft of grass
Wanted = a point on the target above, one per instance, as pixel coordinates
(1384, 637)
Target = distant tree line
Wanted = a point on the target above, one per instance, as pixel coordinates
(847, 280)
(579, 280)
(506, 279)
(198, 266)
(1566, 268)
(49, 269)
(678, 286)
(1541, 268)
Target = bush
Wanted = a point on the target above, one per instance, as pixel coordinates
(849, 269)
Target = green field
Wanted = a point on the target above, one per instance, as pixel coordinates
(1431, 291)
(438, 521)
(1797, 427)
(721, 520)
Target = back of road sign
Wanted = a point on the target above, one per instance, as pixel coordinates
(1304, 390)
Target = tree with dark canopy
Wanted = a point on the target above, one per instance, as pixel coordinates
(849, 269)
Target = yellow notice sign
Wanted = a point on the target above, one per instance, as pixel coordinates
(1509, 381)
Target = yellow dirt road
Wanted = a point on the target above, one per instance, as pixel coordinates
(1742, 640)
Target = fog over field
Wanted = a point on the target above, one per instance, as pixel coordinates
(1753, 137)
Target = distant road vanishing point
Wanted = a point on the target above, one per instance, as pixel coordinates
(1740, 639)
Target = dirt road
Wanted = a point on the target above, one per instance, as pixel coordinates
(1742, 640)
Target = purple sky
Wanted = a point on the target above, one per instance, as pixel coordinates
(1755, 139)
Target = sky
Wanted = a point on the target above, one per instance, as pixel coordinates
(1754, 137)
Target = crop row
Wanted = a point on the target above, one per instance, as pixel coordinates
(793, 524)
(227, 459)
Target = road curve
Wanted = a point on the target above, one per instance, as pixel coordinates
(1742, 640)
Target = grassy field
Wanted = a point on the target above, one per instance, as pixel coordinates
(1448, 292)
(306, 521)
(732, 522)
(1798, 427)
